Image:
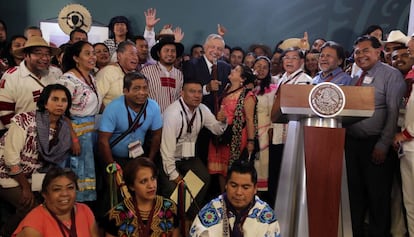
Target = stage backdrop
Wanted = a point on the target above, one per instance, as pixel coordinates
(247, 21)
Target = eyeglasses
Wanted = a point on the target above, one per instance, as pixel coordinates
(291, 58)
(41, 55)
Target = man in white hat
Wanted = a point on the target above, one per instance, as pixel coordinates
(165, 81)
(20, 86)
(395, 39)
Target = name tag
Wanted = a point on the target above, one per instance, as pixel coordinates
(367, 80)
(135, 149)
(188, 149)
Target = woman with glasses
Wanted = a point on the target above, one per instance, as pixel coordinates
(59, 215)
(35, 141)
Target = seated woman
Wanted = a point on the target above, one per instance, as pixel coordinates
(59, 215)
(34, 141)
(238, 105)
(146, 213)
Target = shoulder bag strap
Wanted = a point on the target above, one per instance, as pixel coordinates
(136, 121)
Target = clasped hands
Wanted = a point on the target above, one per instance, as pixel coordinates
(213, 85)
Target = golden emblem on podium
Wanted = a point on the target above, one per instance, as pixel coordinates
(327, 100)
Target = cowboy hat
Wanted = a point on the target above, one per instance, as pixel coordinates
(37, 41)
(294, 43)
(164, 41)
(165, 33)
(396, 36)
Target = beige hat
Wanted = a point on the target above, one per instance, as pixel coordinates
(37, 41)
(396, 36)
(294, 43)
(166, 33)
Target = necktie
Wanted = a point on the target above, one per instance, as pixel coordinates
(361, 78)
(214, 76)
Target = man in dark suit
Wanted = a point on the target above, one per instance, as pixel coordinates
(200, 69)
(214, 82)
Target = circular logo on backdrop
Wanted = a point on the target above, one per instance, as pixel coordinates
(74, 16)
(326, 100)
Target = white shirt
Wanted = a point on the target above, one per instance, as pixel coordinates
(210, 68)
(174, 121)
(297, 77)
(20, 90)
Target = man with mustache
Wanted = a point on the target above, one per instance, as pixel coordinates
(367, 145)
(331, 60)
(165, 81)
(120, 115)
(238, 211)
(20, 86)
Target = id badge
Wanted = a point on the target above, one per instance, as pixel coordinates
(188, 149)
(367, 80)
(135, 149)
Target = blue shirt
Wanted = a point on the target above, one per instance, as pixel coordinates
(115, 120)
(339, 77)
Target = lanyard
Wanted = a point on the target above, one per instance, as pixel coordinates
(90, 84)
(144, 230)
(137, 125)
(122, 68)
(287, 81)
(63, 227)
(191, 122)
(37, 80)
(240, 217)
(293, 77)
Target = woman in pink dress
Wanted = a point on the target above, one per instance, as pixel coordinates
(238, 103)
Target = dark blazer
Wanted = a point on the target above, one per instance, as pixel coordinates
(196, 70)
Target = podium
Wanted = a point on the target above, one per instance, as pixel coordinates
(312, 197)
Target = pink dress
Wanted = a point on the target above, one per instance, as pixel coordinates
(219, 156)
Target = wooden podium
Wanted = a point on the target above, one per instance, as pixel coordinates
(312, 198)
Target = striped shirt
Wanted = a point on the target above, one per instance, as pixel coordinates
(164, 86)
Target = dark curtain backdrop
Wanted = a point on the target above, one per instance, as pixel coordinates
(258, 21)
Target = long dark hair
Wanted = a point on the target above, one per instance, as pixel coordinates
(8, 54)
(247, 74)
(120, 19)
(130, 171)
(265, 82)
(73, 50)
(44, 97)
